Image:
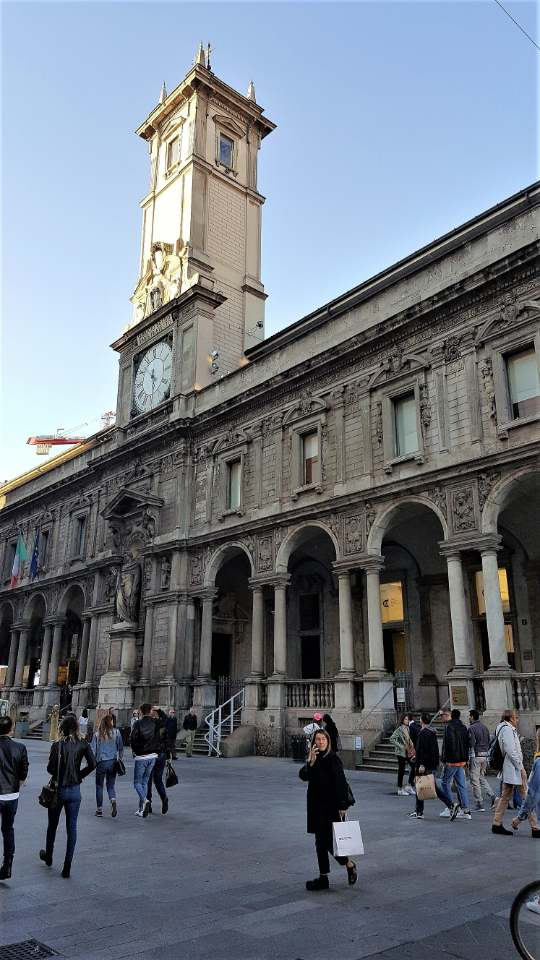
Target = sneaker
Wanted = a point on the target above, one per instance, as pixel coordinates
(533, 905)
(454, 811)
(416, 816)
(138, 813)
(402, 792)
(445, 812)
(321, 883)
(98, 813)
(492, 800)
(466, 815)
(114, 810)
(146, 809)
(478, 807)
(411, 791)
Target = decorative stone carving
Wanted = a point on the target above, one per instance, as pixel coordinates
(463, 509)
(393, 362)
(486, 369)
(128, 590)
(425, 408)
(165, 573)
(265, 554)
(452, 349)
(159, 282)
(196, 570)
(485, 483)
(354, 534)
(335, 523)
(379, 422)
(371, 513)
(108, 587)
(147, 574)
(438, 495)
(305, 406)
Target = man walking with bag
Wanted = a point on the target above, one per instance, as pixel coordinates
(190, 725)
(13, 773)
(513, 772)
(427, 761)
(480, 739)
(455, 758)
(145, 746)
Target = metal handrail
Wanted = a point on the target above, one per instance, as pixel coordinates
(440, 710)
(216, 722)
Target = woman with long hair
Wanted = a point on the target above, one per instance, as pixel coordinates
(328, 798)
(65, 762)
(107, 746)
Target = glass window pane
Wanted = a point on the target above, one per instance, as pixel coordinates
(391, 602)
(405, 425)
(225, 150)
(524, 383)
(172, 152)
(233, 485)
(310, 457)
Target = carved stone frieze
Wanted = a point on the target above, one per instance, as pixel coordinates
(452, 349)
(265, 554)
(353, 539)
(379, 422)
(485, 483)
(425, 408)
(463, 515)
(438, 495)
(486, 370)
(371, 513)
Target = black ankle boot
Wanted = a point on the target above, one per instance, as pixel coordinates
(45, 857)
(5, 869)
(321, 883)
(66, 870)
(498, 828)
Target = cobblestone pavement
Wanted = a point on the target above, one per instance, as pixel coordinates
(222, 875)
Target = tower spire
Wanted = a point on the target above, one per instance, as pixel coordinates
(200, 56)
(251, 92)
(163, 94)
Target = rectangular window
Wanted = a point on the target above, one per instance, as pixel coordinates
(226, 150)
(405, 431)
(10, 556)
(310, 457)
(523, 383)
(173, 152)
(234, 472)
(80, 529)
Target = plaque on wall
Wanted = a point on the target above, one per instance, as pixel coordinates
(459, 696)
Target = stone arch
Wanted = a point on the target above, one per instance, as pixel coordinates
(383, 521)
(221, 555)
(7, 616)
(68, 595)
(294, 537)
(7, 611)
(500, 495)
(32, 602)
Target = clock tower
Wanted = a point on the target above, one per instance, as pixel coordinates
(199, 301)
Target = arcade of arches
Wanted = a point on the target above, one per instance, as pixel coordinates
(421, 615)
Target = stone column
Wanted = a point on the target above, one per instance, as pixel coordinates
(147, 645)
(458, 613)
(190, 637)
(346, 639)
(84, 649)
(45, 655)
(91, 657)
(55, 655)
(205, 655)
(494, 610)
(171, 648)
(257, 631)
(13, 648)
(373, 591)
(21, 655)
(280, 625)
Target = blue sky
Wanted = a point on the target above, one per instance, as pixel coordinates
(396, 122)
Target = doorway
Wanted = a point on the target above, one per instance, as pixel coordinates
(395, 651)
(221, 655)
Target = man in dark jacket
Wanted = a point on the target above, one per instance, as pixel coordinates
(479, 745)
(190, 725)
(13, 772)
(171, 732)
(455, 756)
(427, 761)
(145, 745)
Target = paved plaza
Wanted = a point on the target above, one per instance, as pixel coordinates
(223, 874)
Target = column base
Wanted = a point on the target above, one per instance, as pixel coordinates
(461, 689)
(116, 691)
(344, 692)
(379, 710)
(204, 696)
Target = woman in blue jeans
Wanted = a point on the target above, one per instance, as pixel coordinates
(107, 745)
(65, 766)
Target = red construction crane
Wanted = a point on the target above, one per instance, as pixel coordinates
(43, 443)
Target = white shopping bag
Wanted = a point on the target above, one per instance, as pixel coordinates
(347, 838)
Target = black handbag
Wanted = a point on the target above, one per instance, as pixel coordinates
(171, 778)
(119, 767)
(48, 797)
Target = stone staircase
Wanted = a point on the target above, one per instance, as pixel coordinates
(200, 745)
(35, 732)
(382, 756)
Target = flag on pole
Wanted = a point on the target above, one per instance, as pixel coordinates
(18, 561)
(35, 558)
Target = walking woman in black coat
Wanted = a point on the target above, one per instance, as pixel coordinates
(327, 802)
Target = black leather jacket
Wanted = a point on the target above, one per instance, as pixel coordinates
(13, 765)
(73, 752)
(147, 736)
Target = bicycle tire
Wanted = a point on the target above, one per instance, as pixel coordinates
(519, 899)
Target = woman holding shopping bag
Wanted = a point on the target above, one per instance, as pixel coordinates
(404, 749)
(108, 748)
(328, 798)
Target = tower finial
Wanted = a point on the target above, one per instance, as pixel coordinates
(200, 57)
(163, 94)
(209, 50)
(251, 92)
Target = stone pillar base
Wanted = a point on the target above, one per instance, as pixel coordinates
(251, 700)
(51, 695)
(461, 689)
(344, 693)
(379, 711)
(116, 691)
(204, 696)
(498, 690)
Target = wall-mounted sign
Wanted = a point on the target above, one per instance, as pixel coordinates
(459, 696)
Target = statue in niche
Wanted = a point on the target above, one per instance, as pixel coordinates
(128, 590)
(165, 573)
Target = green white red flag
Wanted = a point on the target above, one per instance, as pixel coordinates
(18, 562)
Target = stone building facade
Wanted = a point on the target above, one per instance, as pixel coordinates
(345, 515)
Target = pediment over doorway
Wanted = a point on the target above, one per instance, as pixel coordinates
(128, 502)
(131, 516)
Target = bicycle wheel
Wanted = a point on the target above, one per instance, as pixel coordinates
(525, 921)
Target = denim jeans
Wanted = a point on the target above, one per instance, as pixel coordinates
(442, 795)
(156, 778)
(457, 774)
(105, 773)
(8, 809)
(141, 776)
(69, 799)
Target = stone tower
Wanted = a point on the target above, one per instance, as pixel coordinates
(201, 219)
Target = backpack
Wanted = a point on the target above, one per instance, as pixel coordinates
(495, 756)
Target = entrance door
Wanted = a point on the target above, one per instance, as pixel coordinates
(311, 656)
(221, 655)
(395, 651)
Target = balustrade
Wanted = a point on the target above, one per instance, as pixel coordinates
(25, 698)
(310, 693)
(526, 691)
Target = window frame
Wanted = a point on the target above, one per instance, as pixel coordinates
(172, 165)
(231, 507)
(297, 434)
(232, 141)
(237, 453)
(76, 518)
(44, 556)
(499, 355)
(10, 550)
(389, 398)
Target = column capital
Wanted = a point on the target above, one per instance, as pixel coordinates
(484, 543)
(21, 625)
(49, 621)
(362, 561)
(207, 593)
(273, 580)
(372, 564)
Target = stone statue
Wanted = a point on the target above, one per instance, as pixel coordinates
(128, 589)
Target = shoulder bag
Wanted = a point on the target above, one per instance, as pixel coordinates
(119, 765)
(49, 793)
(171, 778)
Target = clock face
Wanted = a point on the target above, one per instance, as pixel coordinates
(153, 378)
